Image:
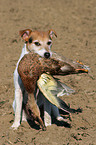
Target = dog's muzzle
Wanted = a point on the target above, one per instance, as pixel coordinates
(47, 55)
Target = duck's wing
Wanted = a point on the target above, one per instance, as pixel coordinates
(52, 89)
(61, 89)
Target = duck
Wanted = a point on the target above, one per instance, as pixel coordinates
(32, 67)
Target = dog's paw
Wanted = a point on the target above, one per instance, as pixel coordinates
(15, 126)
(63, 122)
(59, 118)
(24, 117)
(47, 124)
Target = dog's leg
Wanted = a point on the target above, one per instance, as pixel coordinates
(47, 108)
(47, 112)
(41, 100)
(56, 113)
(24, 116)
(25, 98)
(17, 104)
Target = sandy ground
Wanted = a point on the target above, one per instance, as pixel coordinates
(75, 24)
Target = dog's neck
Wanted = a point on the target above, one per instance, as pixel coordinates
(28, 50)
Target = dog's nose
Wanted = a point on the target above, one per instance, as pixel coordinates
(46, 54)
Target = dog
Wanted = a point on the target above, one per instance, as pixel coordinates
(38, 42)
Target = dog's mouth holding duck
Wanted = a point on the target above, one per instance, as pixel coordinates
(37, 74)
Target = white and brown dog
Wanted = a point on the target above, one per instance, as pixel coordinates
(40, 43)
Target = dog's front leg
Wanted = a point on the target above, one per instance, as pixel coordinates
(47, 112)
(17, 104)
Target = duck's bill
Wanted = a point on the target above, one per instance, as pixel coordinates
(52, 88)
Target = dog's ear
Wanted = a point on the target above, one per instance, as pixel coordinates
(25, 34)
(51, 32)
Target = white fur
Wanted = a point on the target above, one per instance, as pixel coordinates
(17, 103)
(38, 49)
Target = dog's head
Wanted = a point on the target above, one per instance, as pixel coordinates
(39, 42)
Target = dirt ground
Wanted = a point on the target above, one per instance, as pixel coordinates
(75, 24)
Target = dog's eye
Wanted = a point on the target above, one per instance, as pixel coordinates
(30, 40)
(49, 42)
(37, 44)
